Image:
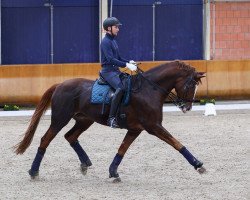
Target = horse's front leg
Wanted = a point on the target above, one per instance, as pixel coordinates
(160, 132)
(127, 141)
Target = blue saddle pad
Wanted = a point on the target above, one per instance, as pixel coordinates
(103, 93)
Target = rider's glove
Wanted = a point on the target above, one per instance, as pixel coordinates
(132, 67)
(132, 62)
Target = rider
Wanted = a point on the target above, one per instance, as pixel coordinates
(111, 61)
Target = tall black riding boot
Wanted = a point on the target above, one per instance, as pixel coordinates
(112, 122)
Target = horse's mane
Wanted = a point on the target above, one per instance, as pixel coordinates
(181, 65)
(185, 66)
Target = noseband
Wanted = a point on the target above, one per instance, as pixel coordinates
(176, 100)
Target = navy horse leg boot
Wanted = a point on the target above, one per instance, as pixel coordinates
(112, 122)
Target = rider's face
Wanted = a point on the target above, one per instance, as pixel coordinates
(115, 30)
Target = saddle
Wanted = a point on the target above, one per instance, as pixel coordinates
(102, 92)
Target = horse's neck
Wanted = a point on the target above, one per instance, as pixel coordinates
(164, 76)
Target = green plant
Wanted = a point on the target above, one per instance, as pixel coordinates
(10, 107)
(204, 101)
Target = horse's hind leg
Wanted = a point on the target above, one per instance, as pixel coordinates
(58, 121)
(45, 141)
(72, 135)
(127, 141)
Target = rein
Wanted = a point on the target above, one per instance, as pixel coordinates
(176, 100)
(140, 72)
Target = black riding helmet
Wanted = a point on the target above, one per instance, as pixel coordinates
(111, 21)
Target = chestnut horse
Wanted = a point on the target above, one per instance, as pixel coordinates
(71, 99)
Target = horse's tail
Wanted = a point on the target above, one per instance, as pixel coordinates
(40, 109)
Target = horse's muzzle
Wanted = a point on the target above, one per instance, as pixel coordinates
(186, 108)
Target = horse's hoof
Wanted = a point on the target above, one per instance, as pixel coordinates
(84, 169)
(201, 170)
(117, 180)
(34, 178)
(34, 175)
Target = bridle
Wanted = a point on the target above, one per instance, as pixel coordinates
(180, 102)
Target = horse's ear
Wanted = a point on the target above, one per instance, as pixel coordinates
(200, 75)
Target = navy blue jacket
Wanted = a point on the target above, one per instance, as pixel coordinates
(110, 56)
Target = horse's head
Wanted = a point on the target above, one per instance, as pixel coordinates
(186, 87)
(175, 75)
